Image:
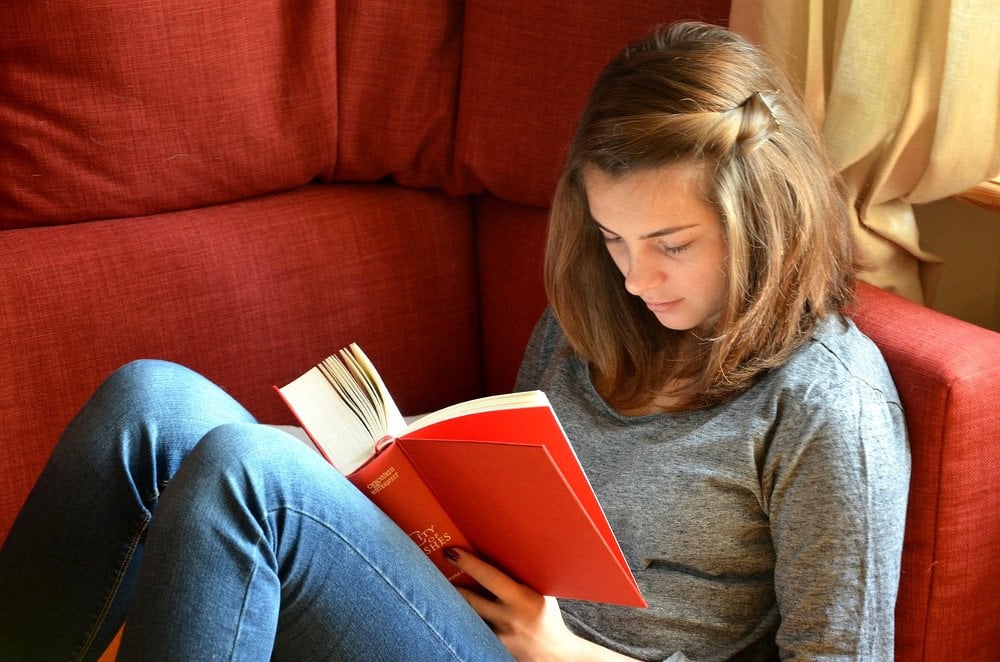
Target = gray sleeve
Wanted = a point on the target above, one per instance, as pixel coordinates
(835, 480)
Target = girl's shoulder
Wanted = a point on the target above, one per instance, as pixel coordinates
(838, 367)
(839, 350)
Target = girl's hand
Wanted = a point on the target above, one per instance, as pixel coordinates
(528, 624)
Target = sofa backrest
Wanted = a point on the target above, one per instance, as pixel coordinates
(111, 110)
(527, 68)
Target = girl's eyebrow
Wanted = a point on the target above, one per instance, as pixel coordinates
(662, 232)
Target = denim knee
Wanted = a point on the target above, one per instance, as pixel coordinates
(142, 371)
(145, 382)
(144, 420)
(166, 395)
(254, 449)
(281, 468)
(236, 445)
(239, 472)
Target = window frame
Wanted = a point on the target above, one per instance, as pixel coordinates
(985, 195)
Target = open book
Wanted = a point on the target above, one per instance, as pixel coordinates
(496, 476)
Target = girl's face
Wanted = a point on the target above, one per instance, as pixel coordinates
(665, 240)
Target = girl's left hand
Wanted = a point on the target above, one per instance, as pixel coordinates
(529, 624)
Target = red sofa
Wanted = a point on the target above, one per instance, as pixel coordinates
(244, 187)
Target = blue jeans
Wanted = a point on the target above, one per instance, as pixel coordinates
(219, 539)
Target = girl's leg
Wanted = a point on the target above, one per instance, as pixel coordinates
(260, 547)
(68, 567)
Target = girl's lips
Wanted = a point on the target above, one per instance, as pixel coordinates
(662, 306)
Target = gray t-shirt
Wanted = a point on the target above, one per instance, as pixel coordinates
(771, 522)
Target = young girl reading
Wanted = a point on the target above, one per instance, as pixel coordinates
(744, 437)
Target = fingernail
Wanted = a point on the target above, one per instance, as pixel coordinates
(451, 554)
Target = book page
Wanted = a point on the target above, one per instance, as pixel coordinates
(499, 402)
(345, 407)
(333, 425)
(393, 423)
(353, 394)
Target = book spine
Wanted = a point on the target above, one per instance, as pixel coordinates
(394, 485)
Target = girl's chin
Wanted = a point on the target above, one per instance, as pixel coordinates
(700, 325)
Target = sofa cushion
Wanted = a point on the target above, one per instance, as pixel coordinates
(118, 108)
(398, 67)
(510, 243)
(251, 294)
(527, 68)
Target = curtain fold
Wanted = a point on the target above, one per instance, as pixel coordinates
(907, 97)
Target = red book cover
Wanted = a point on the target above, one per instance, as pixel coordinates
(511, 482)
(507, 486)
(495, 476)
(391, 482)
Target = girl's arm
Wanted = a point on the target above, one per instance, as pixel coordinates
(836, 487)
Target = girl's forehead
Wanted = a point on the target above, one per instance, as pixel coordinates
(649, 202)
(681, 177)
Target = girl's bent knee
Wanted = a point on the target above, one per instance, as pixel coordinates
(260, 450)
(144, 382)
(150, 375)
(150, 389)
(247, 446)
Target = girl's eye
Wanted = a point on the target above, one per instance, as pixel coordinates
(610, 239)
(674, 250)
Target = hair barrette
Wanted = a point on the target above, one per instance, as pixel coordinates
(766, 98)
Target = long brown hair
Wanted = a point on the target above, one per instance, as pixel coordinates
(699, 94)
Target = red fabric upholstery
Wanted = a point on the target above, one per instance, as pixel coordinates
(948, 376)
(510, 241)
(398, 82)
(526, 70)
(117, 109)
(251, 294)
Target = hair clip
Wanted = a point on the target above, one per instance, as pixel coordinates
(766, 98)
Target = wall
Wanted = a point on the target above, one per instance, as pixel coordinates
(967, 238)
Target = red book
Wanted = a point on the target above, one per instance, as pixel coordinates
(496, 476)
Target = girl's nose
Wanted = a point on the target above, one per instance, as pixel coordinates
(643, 274)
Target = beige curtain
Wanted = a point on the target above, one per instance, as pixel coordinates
(907, 95)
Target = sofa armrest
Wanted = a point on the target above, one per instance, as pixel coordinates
(948, 376)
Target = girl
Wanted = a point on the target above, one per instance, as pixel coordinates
(745, 439)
